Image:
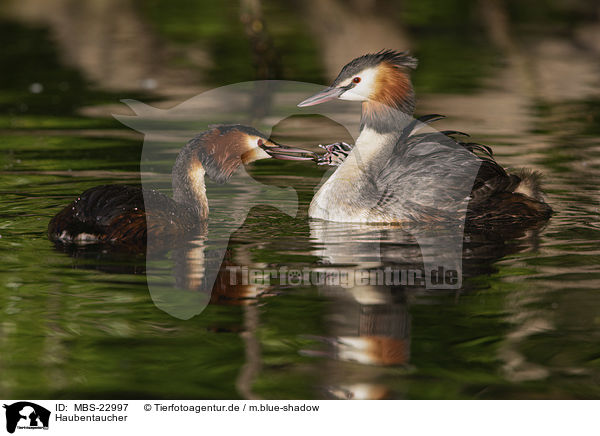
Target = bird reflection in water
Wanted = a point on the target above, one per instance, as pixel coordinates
(369, 324)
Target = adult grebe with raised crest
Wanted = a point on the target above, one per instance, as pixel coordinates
(396, 173)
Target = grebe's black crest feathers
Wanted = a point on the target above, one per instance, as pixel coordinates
(400, 59)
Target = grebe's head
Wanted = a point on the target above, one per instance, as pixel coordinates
(223, 148)
(217, 153)
(381, 77)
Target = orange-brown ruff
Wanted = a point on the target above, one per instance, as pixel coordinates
(392, 85)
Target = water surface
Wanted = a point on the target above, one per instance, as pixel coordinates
(524, 324)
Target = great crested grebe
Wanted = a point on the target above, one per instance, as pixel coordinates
(394, 174)
(117, 213)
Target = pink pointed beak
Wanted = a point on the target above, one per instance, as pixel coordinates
(284, 152)
(323, 96)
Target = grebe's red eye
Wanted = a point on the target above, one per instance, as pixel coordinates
(356, 80)
(260, 143)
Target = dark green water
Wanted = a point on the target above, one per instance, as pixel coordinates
(525, 324)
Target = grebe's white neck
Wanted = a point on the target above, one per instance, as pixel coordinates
(370, 148)
(188, 181)
(340, 198)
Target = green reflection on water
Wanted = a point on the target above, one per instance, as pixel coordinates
(85, 326)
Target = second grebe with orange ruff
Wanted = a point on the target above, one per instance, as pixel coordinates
(117, 214)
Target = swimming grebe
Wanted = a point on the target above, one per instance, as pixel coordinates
(394, 174)
(117, 213)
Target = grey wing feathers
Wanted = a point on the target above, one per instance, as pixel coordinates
(434, 174)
